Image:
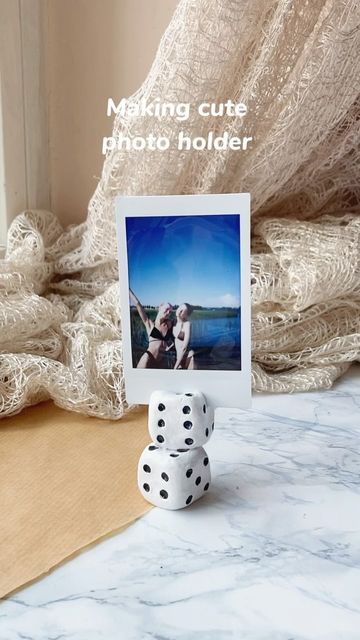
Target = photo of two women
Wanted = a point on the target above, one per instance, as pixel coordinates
(184, 292)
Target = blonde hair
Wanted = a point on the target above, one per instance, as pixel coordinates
(189, 308)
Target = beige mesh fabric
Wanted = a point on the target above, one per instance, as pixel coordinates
(296, 64)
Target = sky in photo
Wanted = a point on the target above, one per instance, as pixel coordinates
(192, 259)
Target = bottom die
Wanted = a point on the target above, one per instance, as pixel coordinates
(173, 479)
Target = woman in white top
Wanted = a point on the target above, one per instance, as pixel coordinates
(181, 333)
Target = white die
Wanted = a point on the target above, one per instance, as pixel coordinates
(180, 421)
(173, 480)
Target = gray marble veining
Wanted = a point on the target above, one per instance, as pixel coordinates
(271, 553)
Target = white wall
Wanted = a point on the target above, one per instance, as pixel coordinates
(24, 166)
(96, 49)
(59, 62)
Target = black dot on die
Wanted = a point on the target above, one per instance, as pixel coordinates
(189, 473)
(212, 426)
(206, 486)
(186, 409)
(189, 441)
(161, 423)
(198, 480)
(189, 395)
(161, 407)
(188, 424)
(160, 439)
(182, 450)
(146, 468)
(152, 447)
(146, 487)
(164, 494)
(165, 476)
(206, 462)
(188, 500)
(174, 455)
(204, 408)
(207, 432)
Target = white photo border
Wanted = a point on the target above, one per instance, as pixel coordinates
(221, 388)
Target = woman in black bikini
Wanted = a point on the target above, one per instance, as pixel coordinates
(159, 334)
(181, 332)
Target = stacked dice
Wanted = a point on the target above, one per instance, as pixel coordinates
(174, 469)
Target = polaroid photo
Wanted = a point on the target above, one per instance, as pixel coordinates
(184, 272)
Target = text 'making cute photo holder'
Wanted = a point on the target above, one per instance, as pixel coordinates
(184, 270)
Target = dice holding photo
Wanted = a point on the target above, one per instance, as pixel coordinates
(173, 479)
(180, 421)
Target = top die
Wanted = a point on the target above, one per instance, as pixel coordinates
(180, 421)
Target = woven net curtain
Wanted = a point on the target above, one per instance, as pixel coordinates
(296, 65)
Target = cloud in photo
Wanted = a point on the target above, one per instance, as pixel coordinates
(229, 300)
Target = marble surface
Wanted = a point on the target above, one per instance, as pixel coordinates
(271, 553)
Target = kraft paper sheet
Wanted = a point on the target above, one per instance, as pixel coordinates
(66, 480)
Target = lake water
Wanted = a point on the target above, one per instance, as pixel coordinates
(216, 342)
(211, 331)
